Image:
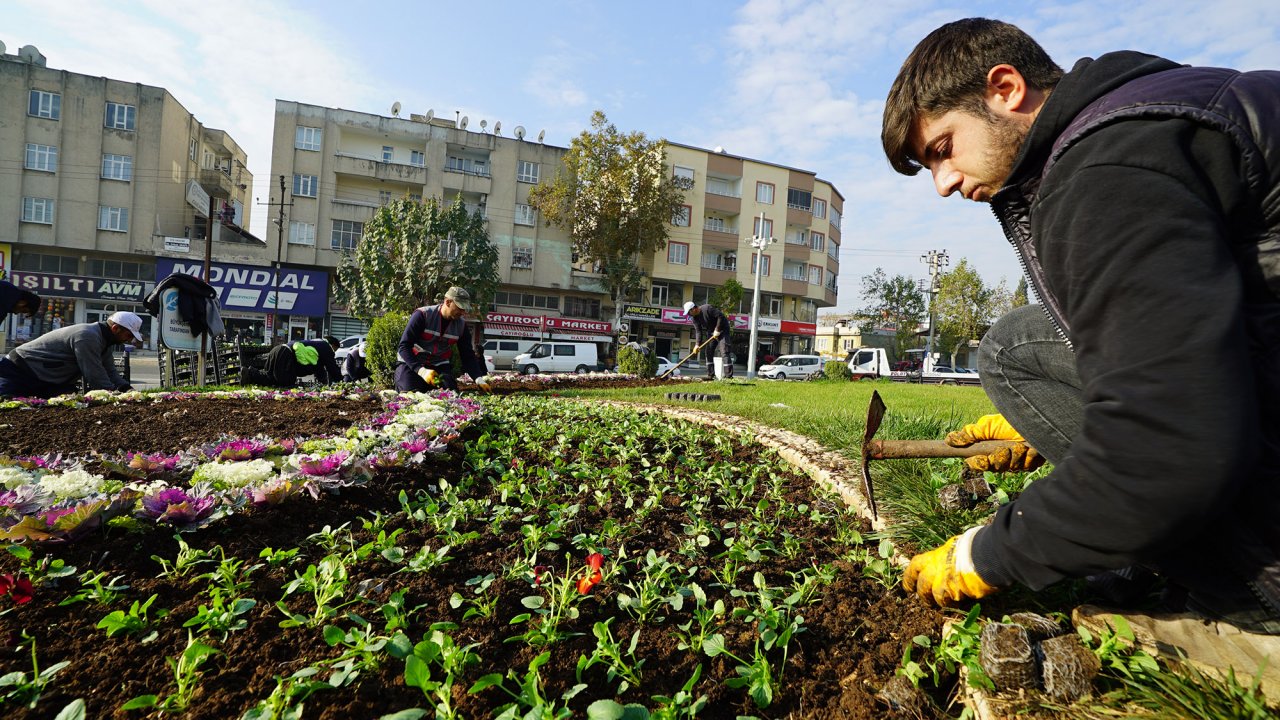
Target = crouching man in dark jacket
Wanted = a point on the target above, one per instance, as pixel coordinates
(53, 363)
(426, 348)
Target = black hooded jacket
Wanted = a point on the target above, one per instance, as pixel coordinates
(1145, 205)
(11, 295)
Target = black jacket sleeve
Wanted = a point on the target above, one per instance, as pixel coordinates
(327, 371)
(472, 364)
(1133, 228)
(404, 351)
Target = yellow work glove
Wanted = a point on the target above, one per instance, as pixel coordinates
(715, 335)
(483, 383)
(945, 575)
(428, 375)
(1018, 458)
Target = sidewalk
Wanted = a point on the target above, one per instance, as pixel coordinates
(144, 369)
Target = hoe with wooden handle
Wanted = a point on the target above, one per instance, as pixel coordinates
(686, 358)
(873, 449)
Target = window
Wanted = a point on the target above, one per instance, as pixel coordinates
(41, 157)
(117, 167)
(831, 281)
(417, 158)
(388, 153)
(467, 165)
(37, 210)
(714, 223)
(682, 216)
(544, 302)
(773, 303)
(720, 260)
(702, 294)
(449, 248)
(122, 269)
(798, 237)
(678, 253)
(815, 274)
(835, 218)
(819, 208)
(524, 214)
(305, 185)
(833, 250)
(527, 172)
(301, 233)
(415, 197)
(719, 186)
(817, 241)
(384, 197)
(115, 219)
(192, 148)
(522, 258)
(45, 104)
(345, 235)
(767, 231)
(793, 270)
(35, 262)
(307, 138)
(658, 294)
(121, 116)
(765, 261)
(683, 172)
(581, 307)
(799, 199)
(764, 193)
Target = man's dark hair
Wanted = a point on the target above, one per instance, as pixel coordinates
(333, 341)
(948, 71)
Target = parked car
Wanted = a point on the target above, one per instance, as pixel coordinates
(544, 357)
(504, 351)
(664, 365)
(796, 367)
(345, 346)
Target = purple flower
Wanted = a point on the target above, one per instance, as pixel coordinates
(52, 515)
(415, 446)
(25, 499)
(176, 507)
(274, 492)
(239, 450)
(321, 466)
(152, 463)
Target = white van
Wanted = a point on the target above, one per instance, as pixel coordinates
(795, 367)
(554, 356)
(504, 351)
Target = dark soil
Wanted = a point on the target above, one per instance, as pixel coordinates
(853, 642)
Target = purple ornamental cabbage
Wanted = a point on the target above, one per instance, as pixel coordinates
(176, 507)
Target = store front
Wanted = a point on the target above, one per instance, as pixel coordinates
(248, 295)
(70, 299)
(541, 327)
(670, 333)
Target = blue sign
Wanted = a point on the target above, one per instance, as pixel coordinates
(247, 288)
(175, 333)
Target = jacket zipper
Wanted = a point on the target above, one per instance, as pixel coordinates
(1042, 293)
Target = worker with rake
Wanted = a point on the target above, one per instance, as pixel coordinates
(1143, 198)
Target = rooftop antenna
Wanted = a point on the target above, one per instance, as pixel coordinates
(483, 124)
(519, 132)
(395, 109)
(463, 123)
(497, 128)
(430, 114)
(542, 135)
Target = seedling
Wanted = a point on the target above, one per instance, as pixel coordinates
(619, 664)
(25, 689)
(92, 589)
(133, 622)
(186, 675)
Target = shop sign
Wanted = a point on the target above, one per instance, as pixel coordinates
(595, 326)
(635, 311)
(581, 337)
(540, 322)
(74, 286)
(177, 244)
(528, 321)
(253, 288)
(799, 328)
(175, 333)
(198, 198)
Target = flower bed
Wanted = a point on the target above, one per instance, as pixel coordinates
(559, 558)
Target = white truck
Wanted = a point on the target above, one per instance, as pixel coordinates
(869, 363)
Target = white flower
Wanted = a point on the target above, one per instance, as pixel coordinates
(148, 488)
(223, 475)
(100, 395)
(131, 396)
(72, 484)
(11, 477)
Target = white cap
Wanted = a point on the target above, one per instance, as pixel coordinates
(688, 307)
(128, 320)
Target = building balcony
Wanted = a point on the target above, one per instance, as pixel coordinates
(466, 182)
(363, 167)
(217, 183)
(720, 239)
(722, 203)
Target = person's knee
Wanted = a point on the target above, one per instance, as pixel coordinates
(1013, 328)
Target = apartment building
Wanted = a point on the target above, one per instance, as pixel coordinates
(100, 180)
(340, 166)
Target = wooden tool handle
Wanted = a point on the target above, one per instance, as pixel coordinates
(890, 449)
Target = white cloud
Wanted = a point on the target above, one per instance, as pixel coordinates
(551, 79)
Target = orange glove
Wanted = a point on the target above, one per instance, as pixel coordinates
(428, 375)
(946, 574)
(1018, 458)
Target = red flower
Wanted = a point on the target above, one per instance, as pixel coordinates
(591, 579)
(18, 588)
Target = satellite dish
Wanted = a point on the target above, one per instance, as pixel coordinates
(497, 128)
(395, 108)
(430, 114)
(1, 47)
(483, 124)
(519, 132)
(542, 135)
(463, 122)
(719, 150)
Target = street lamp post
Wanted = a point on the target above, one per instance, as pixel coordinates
(759, 242)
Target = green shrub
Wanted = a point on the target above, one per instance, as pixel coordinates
(836, 370)
(636, 362)
(380, 347)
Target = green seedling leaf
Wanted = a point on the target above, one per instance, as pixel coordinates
(713, 645)
(142, 701)
(485, 682)
(410, 714)
(73, 711)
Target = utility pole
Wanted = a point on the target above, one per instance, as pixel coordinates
(936, 260)
(275, 274)
(759, 242)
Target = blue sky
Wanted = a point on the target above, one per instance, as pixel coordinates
(795, 82)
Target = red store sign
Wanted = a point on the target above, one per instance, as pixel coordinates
(540, 322)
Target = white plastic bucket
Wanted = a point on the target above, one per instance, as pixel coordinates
(719, 368)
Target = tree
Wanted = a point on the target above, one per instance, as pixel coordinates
(1020, 294)
(965, 307)
(728, 297)
(411, 253)
(892, 301)
(616, 199)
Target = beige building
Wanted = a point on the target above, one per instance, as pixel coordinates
(97, 183)
(340, 166)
